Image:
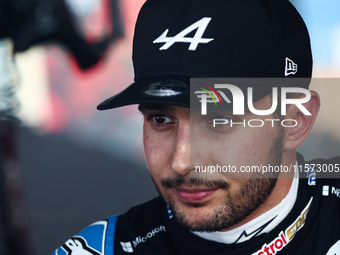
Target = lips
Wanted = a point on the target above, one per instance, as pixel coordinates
(194, 195)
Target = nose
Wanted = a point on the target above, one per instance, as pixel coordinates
(180, 162)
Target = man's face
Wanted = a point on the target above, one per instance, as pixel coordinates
(174, 144)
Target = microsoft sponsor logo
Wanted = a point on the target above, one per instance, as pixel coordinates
(149, 235)
(326, 189)
(128, 246)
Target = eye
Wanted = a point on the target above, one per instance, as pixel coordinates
(160, 119)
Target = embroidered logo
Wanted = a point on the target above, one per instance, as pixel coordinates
(200, 25)
(127, 247)
(77, 246)
(166, 88)
(245, 236)
(291, 67)
(325, 190)
(311, 175)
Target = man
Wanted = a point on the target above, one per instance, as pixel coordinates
(235, 211)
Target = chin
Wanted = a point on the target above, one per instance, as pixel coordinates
(197, 216)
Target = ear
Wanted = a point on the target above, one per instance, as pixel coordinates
(295, 136)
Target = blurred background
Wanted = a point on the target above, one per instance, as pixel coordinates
(76, 165)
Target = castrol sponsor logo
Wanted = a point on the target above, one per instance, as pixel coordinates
(285, 236)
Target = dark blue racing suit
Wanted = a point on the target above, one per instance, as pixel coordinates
(312, 227)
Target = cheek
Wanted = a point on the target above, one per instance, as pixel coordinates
(256, 145)
(157, 150)
(247, 146)
(254, 142)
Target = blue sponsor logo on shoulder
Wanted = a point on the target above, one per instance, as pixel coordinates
(311, 175)
(90, 241)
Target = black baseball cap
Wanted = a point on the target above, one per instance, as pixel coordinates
(176, 40)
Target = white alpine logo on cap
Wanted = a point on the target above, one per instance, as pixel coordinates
(291, 67)
(200, 25)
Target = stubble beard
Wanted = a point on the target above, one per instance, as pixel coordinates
(251, 194)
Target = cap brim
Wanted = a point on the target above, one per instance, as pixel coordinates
(175, 90)
(136, 93)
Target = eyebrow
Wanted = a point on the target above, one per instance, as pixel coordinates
(154, 107)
